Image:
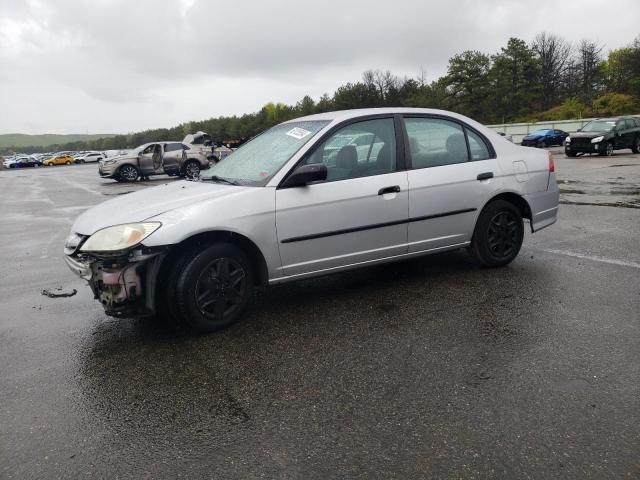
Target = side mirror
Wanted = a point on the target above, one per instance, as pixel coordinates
(579, 130)
(306, 174)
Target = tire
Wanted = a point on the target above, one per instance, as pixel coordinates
(608, 150)
(571, 154)
(498, 235)
(542, 144)
(128, 173)
(212, 287)
(68, 162)
(191, 169)
(635, 146)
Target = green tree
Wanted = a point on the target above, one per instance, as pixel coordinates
(514, 76)
(467, 83)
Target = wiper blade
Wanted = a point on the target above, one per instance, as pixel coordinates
(215, 178)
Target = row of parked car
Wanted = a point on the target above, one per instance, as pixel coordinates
(601, 136)
(51, 158)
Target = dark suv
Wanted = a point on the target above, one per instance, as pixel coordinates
(604, 135)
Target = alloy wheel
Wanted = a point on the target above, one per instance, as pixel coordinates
(129, 173)
(221, 288)
(192, 170)
(609, 149)
(502, 234)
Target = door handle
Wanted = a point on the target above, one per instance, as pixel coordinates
(394, 189)
(485, 176)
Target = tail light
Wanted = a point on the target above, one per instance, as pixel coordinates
(552, 165)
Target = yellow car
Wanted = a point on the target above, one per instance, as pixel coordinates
(58, 160)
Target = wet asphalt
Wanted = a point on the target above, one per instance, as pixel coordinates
(428, 368)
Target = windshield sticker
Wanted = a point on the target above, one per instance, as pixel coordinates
(298, 133)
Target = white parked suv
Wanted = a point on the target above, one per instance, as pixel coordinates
(312, 196)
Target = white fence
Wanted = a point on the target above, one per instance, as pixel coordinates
(519, 130)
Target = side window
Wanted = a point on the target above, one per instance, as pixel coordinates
(434, 142)
(149, 149)
(172, 147)
(477, 147)
(358, 150)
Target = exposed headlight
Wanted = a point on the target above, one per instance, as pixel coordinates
(597, 139)
(109, 162)
(119, 237)
(567, 140)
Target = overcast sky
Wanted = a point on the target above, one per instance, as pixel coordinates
(115, 66)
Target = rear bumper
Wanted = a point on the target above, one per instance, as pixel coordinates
(544, 206)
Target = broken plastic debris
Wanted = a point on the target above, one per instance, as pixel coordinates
(58, 293)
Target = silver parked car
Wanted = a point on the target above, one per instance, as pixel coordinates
(156, 158)
(312, 196)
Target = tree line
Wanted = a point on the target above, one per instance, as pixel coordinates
(546, 79)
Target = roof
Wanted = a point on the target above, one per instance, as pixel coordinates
(341, 115)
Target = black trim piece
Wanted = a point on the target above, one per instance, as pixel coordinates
(485, 176)
(313, 236)
(444, 214)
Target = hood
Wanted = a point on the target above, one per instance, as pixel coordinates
(144, 204)
(532, 137)
(589, 134)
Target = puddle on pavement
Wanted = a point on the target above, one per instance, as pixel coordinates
(612, 193)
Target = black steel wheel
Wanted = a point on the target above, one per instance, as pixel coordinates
(635, 147)
(213, 287)
(128, 173)
(498, 235)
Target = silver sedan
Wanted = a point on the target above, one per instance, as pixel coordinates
(313, 196)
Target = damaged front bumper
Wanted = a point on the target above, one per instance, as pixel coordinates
(123, 283)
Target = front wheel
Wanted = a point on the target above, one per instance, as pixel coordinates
(542, 144)
(212, 287)
(570, 154)
(635, 147)
(128, 173)
(498, 235)
(608, 150)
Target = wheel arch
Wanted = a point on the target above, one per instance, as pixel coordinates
(202, 239)
(515, 199)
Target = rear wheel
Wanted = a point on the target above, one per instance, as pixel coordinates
(212, 287)
(498, 235)
(191, 169)
(635, 146)
(128, 173)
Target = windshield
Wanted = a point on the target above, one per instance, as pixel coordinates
(541, 132)
(260, 159)
(599, 126)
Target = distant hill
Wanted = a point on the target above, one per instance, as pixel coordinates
(23, 140)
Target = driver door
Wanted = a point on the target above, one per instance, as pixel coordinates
(357, 215)
(150, 160)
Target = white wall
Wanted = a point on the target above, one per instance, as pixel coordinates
(520, 130)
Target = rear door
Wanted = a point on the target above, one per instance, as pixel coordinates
(359, 214)
(172, 156)
(453, 171)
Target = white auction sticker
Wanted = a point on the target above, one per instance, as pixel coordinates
(298, 133)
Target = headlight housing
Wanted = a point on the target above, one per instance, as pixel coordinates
(567, 140)
(597, 139)
(109, 162)
(119, 237)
